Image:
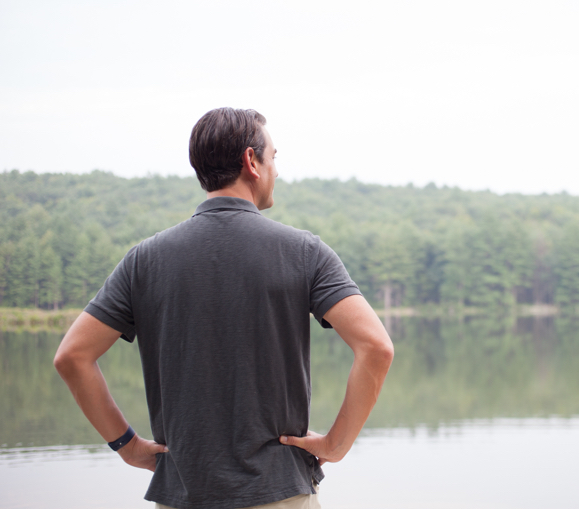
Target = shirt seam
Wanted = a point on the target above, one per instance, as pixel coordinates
(306, 265)
(226, 208)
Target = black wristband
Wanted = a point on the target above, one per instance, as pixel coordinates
(124, 440)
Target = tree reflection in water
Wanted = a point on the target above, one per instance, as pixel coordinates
(445, 370)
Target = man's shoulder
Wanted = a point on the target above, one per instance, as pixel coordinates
(164, 238)
(285, 230)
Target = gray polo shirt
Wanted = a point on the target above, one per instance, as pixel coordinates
(221, 307)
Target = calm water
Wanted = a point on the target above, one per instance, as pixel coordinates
(482, 413)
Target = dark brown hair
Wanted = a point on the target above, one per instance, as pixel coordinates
(218, 141)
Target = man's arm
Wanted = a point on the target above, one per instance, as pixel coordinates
(357, 324)
(76, 362)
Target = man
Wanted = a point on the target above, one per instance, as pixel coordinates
(220, 305)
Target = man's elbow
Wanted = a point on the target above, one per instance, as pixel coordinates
(66, 363)
(61, 363)
(379, 354)
(384, 352)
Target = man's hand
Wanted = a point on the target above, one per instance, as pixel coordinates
(141, 453)
(315, 444)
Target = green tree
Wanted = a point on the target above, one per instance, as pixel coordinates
(51, 277)
(391, 261)
(426, 282)
(567, 290)
(459, 275)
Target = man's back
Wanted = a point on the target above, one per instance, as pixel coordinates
(221, 304)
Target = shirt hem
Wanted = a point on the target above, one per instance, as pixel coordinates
(333, 299)
(103, 316)
(232, 503)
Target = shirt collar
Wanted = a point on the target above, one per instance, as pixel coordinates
(226, 203)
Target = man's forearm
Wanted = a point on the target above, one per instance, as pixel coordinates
(364, 384)
(76, 362)
(89, 388)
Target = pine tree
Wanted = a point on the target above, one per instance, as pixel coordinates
(567, 290)
(51, 276)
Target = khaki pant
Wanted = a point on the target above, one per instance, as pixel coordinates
(297, 502)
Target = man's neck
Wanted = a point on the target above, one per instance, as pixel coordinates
(237, 190)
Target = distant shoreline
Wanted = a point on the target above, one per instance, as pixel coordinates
(37, 320)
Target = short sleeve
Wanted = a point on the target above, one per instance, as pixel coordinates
(329, 280)
(112, 304)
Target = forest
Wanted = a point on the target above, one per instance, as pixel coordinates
(62, 234)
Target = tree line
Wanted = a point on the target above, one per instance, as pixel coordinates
(62, 234)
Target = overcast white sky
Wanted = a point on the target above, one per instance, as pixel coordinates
(478, 94)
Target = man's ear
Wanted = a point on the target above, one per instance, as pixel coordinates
(248, 160)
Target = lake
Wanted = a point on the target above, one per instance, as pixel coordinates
(475, 413)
